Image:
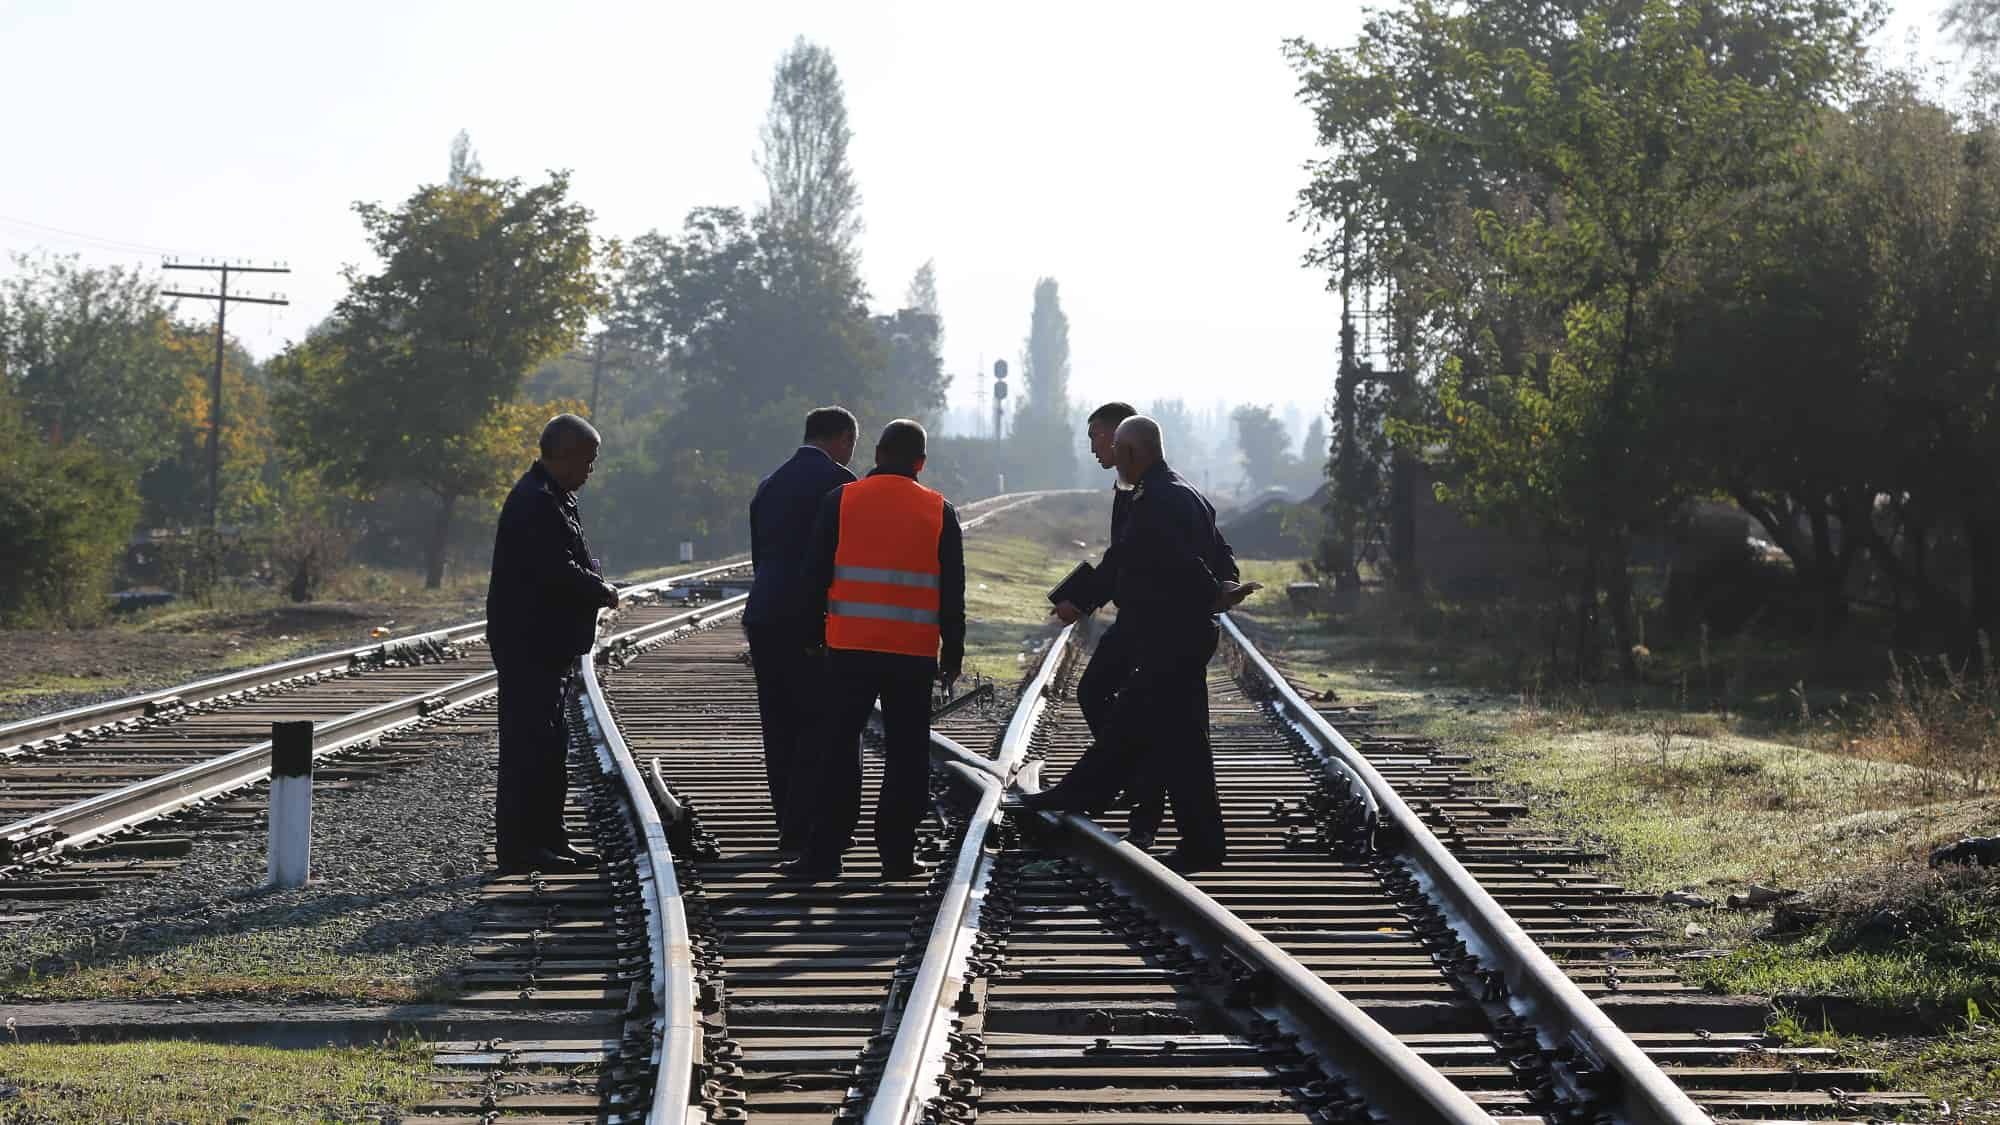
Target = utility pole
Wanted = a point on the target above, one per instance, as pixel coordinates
(222, 296)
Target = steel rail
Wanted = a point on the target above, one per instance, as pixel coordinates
(1537, 990)
(1394, 1079)
(676, 1024)
(917, 1056)
(957, 921)
(96, 817)
(16, 735)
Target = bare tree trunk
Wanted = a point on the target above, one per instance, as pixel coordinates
(440, 541)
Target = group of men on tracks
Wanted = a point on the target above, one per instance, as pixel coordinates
(858, 598)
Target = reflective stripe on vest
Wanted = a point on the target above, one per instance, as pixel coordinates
(886, 577)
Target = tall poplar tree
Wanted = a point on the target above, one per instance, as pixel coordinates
(1044, 446)
(804, 159)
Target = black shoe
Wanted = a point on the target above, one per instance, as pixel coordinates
(803, 870)
(540, 859)
(584, 861)
(1181, 863)
(903, 870)
(1141, 840)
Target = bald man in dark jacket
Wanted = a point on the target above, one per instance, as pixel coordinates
(541, 614)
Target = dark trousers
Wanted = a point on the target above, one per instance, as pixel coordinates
(534, 754)
(1111, 663)
(1154, 737)
(791, 702)
(903, 684)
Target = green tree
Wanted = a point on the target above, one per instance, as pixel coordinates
(923, 295)
(1311, 470)
(417, 379)
(465, 166)
(1044, 436)
(762, 323)
(1547, 183)
(66, 512)
(86, 355)
(1263, 447)
(804, 159)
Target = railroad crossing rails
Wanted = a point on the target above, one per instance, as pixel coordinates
(1339, 969)
(1049, 973)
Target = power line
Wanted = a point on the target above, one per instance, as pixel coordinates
(221, 296)
(110, 243)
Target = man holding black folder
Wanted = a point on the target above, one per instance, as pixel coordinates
(1161, 569)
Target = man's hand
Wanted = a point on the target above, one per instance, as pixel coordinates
(611, 596)
(1232, 594)
(948, 676)
(1067, 613)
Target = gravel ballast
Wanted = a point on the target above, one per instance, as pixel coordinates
(396, 869)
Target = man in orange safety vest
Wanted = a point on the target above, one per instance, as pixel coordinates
(885, 568)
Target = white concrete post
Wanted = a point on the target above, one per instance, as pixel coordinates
(687, 550)
(291, 803)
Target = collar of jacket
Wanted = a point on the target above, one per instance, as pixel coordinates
(1157, 474)
(809, 447)
(548, 481)
(884, 471)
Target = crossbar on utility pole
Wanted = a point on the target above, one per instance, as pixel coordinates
(222, 296)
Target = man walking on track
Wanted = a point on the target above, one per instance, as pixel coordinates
(1167, 594)
(1113, 658)
(887, 567)
(785, 643)
(541, 614)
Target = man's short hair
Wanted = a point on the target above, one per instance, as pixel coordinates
(567, 431)
(1110, 414)
(829, 422)
(902, 443)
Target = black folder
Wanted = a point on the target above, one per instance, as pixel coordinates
(1076, 587)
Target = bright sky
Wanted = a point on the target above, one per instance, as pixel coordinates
(1145, 155)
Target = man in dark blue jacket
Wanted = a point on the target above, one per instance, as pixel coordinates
(1113, 658)
(541, 614)
(1163, 565)
(784, 639)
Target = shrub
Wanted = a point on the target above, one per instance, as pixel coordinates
(65, 515)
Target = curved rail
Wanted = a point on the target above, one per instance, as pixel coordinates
(1538, 991)
(917, 1056)
(1394, 1078)
(676, 1025)
(21, 732)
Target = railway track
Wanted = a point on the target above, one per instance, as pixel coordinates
(75, 777)
(1381, 864)
(1384, 946)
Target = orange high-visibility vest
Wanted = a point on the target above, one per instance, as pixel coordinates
(884, 596)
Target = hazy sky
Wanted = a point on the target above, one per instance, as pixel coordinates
(1145, 155)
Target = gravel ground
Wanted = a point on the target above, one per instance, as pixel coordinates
(396, 866)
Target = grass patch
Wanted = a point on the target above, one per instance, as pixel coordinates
(149, 979)
(171, 1080)
(1011, 562)
(1960, 1066)
(45, 684)
(1896, 938)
